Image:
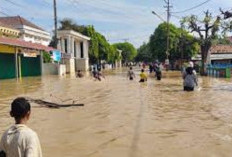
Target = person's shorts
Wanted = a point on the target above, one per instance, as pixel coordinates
(142, 80)
(188, 88)
(131, 78)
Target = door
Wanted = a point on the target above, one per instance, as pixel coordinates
(7, 66)
(30, 66)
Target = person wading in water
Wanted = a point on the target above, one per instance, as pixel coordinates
(143, 76)
(158, 72)
(190, 79)
(19, 140)
(131, 74)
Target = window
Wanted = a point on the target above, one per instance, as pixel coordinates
(66, 45)
(75, 49)
(82, 50)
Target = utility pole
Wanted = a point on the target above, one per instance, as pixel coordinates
(55, 22)
(168, 6)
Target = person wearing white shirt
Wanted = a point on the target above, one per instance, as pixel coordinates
(19, 140)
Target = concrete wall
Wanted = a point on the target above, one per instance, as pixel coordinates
(70, 66)
(82, 64)
(50, 69)
(62, 70)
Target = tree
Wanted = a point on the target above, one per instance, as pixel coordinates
(144, 53)
(128, 51)
(46, 57)
(226, 14)
(222, 40)
(207, 30)
(182, 44)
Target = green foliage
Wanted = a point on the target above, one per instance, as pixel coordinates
(182, 44)
(144, 53)
(46, 57)
(67, 24)
(222, 40)
(128, 51)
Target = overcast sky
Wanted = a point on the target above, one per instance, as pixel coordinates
(116, 19)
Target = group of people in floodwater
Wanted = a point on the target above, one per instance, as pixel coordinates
(143, 76)
(96, 74)
(21, 141)
(189, 75)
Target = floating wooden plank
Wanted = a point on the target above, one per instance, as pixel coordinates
(53, 105)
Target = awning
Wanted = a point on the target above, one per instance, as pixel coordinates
(24, 44)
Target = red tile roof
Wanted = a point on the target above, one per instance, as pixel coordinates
(221, 49)
(5, 25)
(17, 21)
(24, 44)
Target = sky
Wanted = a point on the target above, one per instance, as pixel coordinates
(118, 20)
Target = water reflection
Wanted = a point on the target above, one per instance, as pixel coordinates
(127, 119)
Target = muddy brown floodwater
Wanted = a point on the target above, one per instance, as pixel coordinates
(123, 118)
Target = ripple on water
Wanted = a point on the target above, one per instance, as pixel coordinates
(119, 117)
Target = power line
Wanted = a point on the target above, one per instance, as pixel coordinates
(34, 12)
(104, 3)
(23, 7)
(3, 13)
(194, 7)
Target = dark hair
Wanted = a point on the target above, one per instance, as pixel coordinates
(78, 71)
(19, 108)
(189, 70)
(130, 68)
(142, 70)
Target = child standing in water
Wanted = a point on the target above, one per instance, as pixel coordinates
(19, 140)
(131, 74)
(143, 76)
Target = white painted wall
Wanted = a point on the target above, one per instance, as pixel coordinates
(34, 35)
(79, 63)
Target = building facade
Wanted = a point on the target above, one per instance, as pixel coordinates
(27, 31)
(75, 48)
(219, 54)
(20, 58)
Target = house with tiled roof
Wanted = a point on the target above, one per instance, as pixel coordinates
(218, 54)
(28, 31)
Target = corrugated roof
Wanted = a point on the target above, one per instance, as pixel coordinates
(24, 44)
(16, 21)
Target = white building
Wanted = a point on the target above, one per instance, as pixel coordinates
(28, 31)
(75, 47)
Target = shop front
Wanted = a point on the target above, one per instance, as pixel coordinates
(20, 59)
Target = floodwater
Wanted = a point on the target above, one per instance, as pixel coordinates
(123, 118)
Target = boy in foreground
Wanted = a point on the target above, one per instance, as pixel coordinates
(19, 140)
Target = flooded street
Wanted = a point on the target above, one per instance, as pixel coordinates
(123, 118)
